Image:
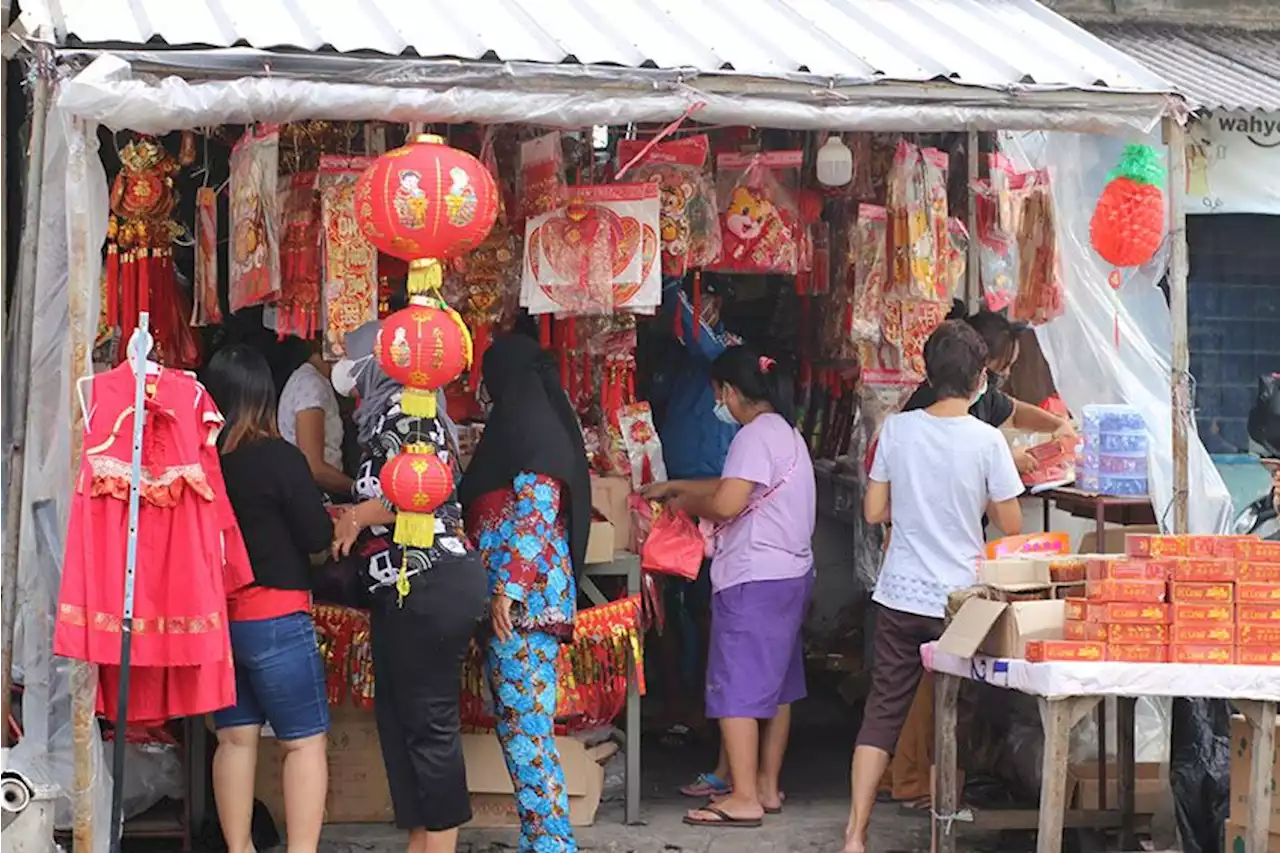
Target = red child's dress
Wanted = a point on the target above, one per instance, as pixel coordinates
(190, 552)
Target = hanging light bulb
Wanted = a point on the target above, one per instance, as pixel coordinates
(835, 162)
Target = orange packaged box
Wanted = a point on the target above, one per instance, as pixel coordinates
(1201, 653)
(1266, 614)
(1260, 656)
(1201, 611)
(1259, 593)
(1122, 590)
(1084, 632)
(1263, 550)
(1125, 612)
(1127, 569)
(1204, 570)
(1217, 593)
(1199, 633)
(1231, 547)
(1154, 545)
(1077, 609)
(1039, 651)
(1256, 571)
(1138, 652)
(1256, 635)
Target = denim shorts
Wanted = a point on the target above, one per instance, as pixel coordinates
(279, 678)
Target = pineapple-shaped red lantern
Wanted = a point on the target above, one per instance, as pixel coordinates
(417, 482)
(1128, 221)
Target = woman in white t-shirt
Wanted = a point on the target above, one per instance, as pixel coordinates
(310, 420)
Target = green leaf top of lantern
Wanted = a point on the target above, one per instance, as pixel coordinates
(1140, 164)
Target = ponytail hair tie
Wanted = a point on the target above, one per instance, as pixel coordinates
(766, 364)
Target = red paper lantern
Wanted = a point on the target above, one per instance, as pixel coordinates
(426, 202)
(423, 347)
(416, 482)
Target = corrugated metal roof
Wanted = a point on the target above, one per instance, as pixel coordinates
(1212, 67)
(990, 43)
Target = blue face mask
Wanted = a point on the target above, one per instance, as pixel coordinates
(723, 414)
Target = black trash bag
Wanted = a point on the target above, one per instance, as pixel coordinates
(1200, 772)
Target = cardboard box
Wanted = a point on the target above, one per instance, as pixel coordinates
(1126, 613)
(1258, 572)
(1235, 840)
(1212, 633)
(1196, 611)
(1145, 591)
(1014, 575)
(1258, 593)
(1084, 632)
(1204, 570)
(1241, 769)
(1150, 790)
(1201, 653)
(1127, 569)
(1267, 614)
(609, 500)
(1113, 538)
(358, 791)
(1038, 651)
(1258, 635)
(1138, 652)
(1216, 593)
(1155, 545)
(1263, 550)
(1117, 634)
(601, 545)
(1231, 547)
(1261, 656)
(1001, 630)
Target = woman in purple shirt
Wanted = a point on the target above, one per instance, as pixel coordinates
(763, 508)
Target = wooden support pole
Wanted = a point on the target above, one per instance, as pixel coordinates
(1180, 379)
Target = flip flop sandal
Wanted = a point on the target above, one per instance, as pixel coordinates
(707, 785)
(723, 819)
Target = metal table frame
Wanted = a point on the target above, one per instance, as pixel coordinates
(624, 565)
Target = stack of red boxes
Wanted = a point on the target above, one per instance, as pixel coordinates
(1181, 599)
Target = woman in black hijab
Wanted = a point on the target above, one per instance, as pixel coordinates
(527, 497)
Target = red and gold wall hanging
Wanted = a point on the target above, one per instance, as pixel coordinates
(350, 291)
(207, 310)
(139, 263)
(298, 308)
(254, 277)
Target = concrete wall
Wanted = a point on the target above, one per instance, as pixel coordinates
(1238, 12)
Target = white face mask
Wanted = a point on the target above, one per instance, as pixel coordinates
(345, 373)
(982, 389)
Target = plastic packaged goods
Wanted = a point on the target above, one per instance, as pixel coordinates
(254, 277)
(1114, 456)
(759, 212)
(541, 184)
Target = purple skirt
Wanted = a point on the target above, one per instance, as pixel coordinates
(756, 659)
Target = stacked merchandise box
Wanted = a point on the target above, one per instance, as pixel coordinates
(1113, 456)
(1258, 603)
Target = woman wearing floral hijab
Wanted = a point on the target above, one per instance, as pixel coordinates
(527, 495)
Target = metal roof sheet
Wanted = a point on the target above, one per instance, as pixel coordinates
(988, 43)
(1214, 68)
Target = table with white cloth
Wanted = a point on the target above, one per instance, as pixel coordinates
(1067, 691)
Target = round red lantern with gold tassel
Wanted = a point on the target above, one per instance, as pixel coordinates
(416, 482)
(426, 202)
(423, 347)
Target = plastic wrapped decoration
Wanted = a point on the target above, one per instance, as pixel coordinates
(643, 447)
(759, 212)
(206, 310)
(916, 198)
(254, 277)
(350, 291)
(689, 224)
(298, 308)
(1128, 220)
(870, 271)
(542, 183)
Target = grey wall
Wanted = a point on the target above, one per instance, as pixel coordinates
(1186, 11)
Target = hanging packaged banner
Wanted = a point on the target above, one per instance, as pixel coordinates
(350, 291)
(759, 212)
(1233, 163)
(298, 309)
(207, 310)
(254, 277)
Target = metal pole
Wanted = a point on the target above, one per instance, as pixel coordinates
(1175, 137)
(18, 372)
(972, 277)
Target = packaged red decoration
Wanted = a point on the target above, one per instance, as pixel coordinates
(870, 273)
(1039, 295)
(913, 221)
(542, 183)
(689, 224)
(350, 291)
(674, 545)
(644, 448)
(254, 277)
(298, 308)
(997, 249)
(207, 310)
(759, 212)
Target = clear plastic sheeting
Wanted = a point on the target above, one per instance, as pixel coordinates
(1088, 363)
(73, 224)
(108, 92)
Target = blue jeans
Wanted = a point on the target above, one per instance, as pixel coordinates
(279, 678)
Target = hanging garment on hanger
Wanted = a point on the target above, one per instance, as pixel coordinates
(190, 553)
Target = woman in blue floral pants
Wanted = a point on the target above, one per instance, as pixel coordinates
(528, 500)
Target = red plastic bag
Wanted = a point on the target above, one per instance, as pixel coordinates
(642, 515)
(674, 546)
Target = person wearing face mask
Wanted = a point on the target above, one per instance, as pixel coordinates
(763, 507)
(993, 406)
(309, 420)
(936, 498)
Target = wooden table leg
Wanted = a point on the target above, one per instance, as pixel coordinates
(1125, 782)
(1262, 725)
(946, 800)
(1059, 716)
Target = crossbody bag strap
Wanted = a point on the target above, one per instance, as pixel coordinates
(756, 503)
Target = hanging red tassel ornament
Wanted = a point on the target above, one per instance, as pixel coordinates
(1128, 221)
(544, 331)
(416, 482)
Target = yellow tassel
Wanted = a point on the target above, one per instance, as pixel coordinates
(415, 529)
(425, 276)
(418, 402)
(402, 579)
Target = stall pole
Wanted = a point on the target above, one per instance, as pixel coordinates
(1175, 138)
(973, 263)
(18, 372)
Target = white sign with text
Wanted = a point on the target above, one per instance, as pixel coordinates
(1233, 163)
